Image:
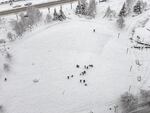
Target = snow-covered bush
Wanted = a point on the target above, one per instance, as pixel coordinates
(128, 102)
(1, 109)
(120, 22)
(6, 67)
(91, 11)
(2, 41)
(8, 56)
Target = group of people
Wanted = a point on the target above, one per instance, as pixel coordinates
(68, 77)
(84, 72)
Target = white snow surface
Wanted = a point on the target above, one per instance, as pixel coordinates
(50, 53)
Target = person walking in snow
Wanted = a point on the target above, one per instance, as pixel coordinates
(67, 77)
(85, 84)
(91, 111)
(91, 65)
(5, 79)
(86, 67)
(77, 66)
(94, 30)
(83, 81)
(80, 81)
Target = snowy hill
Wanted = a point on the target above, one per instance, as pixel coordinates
(45, 57)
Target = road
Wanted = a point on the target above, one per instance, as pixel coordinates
(42, 5)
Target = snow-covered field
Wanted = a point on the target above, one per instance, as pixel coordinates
(43, 58)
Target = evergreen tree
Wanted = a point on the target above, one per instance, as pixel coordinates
(120, 22)
(138, 7)
(129, 6)
(128, 102)
(81, 7)
(92, 8)
(19, 28)
(78, 8)
(61, 15)
(123, 10)
(10, 36)
(108, 12)
(48, 18)
(55, 15)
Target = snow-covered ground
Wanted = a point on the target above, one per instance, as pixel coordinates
(43, 58)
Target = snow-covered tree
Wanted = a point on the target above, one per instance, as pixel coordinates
(55, 15)
(91, 8)
(129, 6)
(145, 95)
(128, 101)
(8, 57)
(144, 5)
(26, 21)
(83, 1)
(123, 10)
(120, 22)
(109, 13)
(32, 17)
(48, 18)
(81, 7)
(33, 14)
(19, 28)
(138, 7)
(78, 8)
(61, 15)
(10, 36)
